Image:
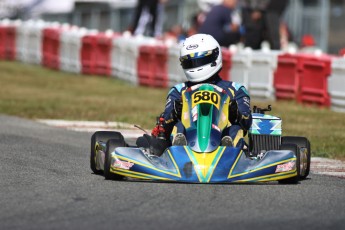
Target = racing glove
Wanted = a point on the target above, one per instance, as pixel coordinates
(158, 130)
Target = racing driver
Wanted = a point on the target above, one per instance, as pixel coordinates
(201, 60)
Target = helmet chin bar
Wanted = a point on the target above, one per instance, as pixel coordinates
(199, 69)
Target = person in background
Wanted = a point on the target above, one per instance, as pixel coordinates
(274, 11)
(158, 33)
(253, 16)
(219, 22)
(145, 13)
(175, 34)
(198, 18)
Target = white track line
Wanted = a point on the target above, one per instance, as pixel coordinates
(327, 166)
(126, 129)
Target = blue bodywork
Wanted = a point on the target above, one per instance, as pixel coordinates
(228, 165)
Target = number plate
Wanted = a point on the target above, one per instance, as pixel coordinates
(206, 96)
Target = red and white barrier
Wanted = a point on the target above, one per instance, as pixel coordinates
(124, 57)
(307, 78)
(152, 65)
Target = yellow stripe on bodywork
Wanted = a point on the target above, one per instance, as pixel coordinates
(257, 169)
(238, 137)
(138, 175)
(235, 163)
(206, 160)
(178, 174)
(271, 177)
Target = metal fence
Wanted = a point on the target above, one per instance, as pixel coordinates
(309, 17)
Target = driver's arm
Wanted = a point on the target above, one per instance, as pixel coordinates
(244, 118)
(169, 114)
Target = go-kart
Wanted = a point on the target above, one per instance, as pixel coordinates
(269, 156)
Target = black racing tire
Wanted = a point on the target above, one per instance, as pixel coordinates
(301, 142)
(100, 136)
(111, 145)
(294, 148)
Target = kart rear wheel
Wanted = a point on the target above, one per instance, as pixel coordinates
(304, 145)
(100, 136)
(294, 148)
(111, 145)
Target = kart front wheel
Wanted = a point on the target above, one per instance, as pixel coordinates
(100, 136)
(111, 145)
(304, 146)
(294, 148)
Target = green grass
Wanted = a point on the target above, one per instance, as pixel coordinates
(34, 92)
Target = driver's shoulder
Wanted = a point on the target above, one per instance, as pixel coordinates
(178, 87)
(231, 85)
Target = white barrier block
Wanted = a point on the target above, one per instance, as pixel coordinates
(22, 40)
(261, 74)
(175, 71)
(34, 42)
(241, 63)
(70, 49)
(336, 85)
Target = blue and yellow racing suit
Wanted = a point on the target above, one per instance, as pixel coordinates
(239, 98)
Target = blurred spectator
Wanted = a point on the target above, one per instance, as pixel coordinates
(262, 21)
(145, 13)
(195, 23)
(220, 23)
(198, 19)
(285, 36)
(175, 34)
(206, 5)
(274, 11)
(254, 22)
(160, 18)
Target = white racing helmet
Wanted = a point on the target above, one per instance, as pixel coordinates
(200, 57)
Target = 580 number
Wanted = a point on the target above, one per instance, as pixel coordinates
(206, 97)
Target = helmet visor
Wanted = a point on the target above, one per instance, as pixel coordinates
(198, 59)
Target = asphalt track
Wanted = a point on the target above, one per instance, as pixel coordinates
(46, 183)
